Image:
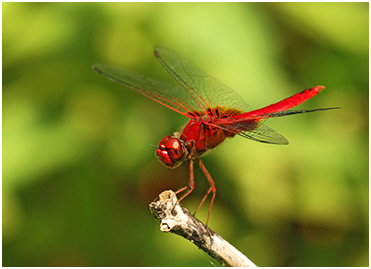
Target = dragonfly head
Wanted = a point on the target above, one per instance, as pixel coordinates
(171, 151)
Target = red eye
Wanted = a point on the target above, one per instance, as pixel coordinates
(171, 151)
(173, 143)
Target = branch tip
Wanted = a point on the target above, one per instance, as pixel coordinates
(176, 219)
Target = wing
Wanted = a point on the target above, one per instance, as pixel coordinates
(254, 129)
(171, 96)
(202, 93)
(209, 93)
(265, 134)
(206, 91)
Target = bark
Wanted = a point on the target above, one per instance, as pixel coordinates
(176, 219)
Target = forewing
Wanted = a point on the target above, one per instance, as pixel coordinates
(207, 91)
(171, 96)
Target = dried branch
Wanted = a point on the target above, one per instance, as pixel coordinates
(178, 220)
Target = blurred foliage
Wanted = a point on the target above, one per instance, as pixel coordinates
(78, 163)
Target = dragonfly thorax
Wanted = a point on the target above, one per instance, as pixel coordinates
(171, 151)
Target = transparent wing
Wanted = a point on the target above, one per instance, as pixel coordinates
(202, 94)
(265, 134)
(171, 96)
(207, 91)
(254, 129)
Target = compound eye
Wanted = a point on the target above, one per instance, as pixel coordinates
(173, 143)
(175, 149)
(171, 151)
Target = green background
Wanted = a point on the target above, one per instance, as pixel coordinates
(78, 150)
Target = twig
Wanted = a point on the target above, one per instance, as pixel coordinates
(178, 220)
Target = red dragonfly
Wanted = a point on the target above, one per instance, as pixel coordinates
(215, 111)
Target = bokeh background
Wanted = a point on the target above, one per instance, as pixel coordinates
(78, 150)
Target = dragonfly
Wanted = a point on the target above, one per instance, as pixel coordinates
(215, 112)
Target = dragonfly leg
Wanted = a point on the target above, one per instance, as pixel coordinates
(212, 189)
(191, 182)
